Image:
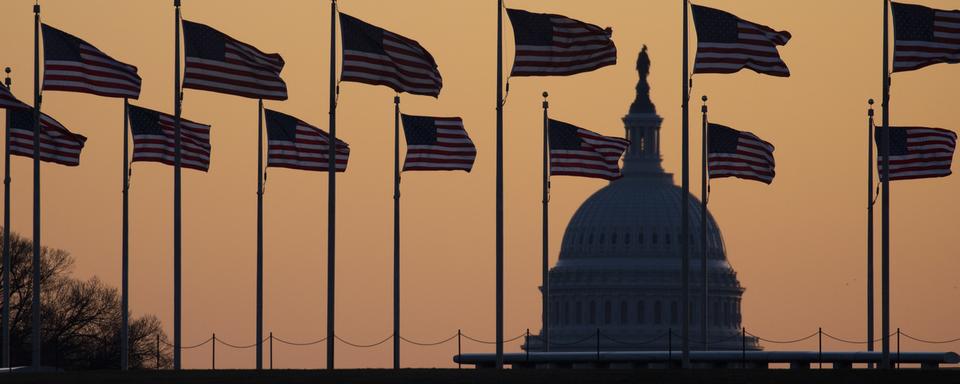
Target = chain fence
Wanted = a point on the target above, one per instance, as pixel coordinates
(593, 340)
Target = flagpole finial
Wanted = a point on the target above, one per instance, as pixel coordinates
(870, 111)
(176, 3)
(545, 94)
(7, 80)
(704, 108)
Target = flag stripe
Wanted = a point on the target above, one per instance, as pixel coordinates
(579, 152)
(91, 71)
(308, 148)
(913, 52)
(564, 47)
(57, 144)
(747, 156)
(437, 144)
(387, 59)
(754, 46)
(149, 146)
(243, 70)
(919, 152)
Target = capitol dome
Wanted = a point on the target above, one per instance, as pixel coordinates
(619, 270)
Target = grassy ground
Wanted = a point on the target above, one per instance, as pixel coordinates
(430, 376)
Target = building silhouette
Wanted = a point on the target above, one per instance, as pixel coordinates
(620, 258)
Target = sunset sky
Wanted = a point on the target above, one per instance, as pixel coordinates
(798, 245)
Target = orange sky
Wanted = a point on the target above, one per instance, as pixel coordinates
(798, 245)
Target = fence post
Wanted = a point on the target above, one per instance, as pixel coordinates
(898, 348)
(459, 350)
(820, 347)
(213, 354)
(669, 347)
(743, 347)
(526, 340)
(271, 350)
(158, 351)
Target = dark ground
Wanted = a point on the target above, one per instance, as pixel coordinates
(430, 376)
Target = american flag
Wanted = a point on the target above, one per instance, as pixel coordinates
(376, 56)
(727, 44)
(7, 100)
(73, 65)
(216, 62)
(57, 144)
(924, 36)
(732, 153)
(437, 144)
(575, 151)
(154, 139)
(917, 152)
(291, 143)
(555, 45)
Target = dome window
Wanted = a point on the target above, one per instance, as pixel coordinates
(626, 238)
(657, 312)
(613, 238)
(566, 313)
(607, 313)
(641, 312)
(593, 312)
(666, 238)
(674, 316)
(640, 238)
(581, 238)
(579, 311)
(555, 313)
(654, 240)
(601, 237)
(590, 239)
(716, 313)
(624, 316)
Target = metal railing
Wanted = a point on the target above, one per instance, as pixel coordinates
(594, 340)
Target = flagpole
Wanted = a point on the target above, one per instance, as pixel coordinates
(870, 197)
(499, 189)
(704, 197)
(684, 203)
(885, 200)
(36, 191)
(177, 240)
(6, 233)
(332, 186)
(545, 276)
(260, 234)
(396, 232)
(125, 246)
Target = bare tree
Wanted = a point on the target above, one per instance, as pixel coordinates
(81, 319)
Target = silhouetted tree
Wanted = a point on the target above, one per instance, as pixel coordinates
(81, 319)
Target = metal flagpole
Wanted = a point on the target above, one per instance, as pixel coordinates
(499, 191)
(332, 188)
(684, 202)
(6, 234)
(260, 234)
(885, 201)
(37, 342)
(177, 240)
(870, 197)
(704, 198)
(545, 276)
(125, 246)
(396, 232)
